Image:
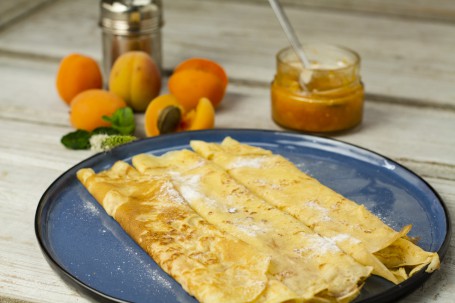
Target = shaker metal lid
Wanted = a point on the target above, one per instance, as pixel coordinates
(131, 16)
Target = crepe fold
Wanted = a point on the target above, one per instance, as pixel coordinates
(210, 264)
(311, 266)
(354, 229)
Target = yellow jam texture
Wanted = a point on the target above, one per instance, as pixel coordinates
(334, 97)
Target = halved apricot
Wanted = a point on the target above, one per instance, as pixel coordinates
(202, 117)
(163, 115)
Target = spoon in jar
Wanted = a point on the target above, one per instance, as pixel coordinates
(294, 41)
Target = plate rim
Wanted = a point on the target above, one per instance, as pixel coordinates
(395, 292)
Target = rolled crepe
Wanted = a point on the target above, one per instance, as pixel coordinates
(209, 264)
(308, 264)
(355, 230)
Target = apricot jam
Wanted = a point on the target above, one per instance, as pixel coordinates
(326, 97)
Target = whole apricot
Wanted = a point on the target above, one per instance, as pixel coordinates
(76, 74)
(197, 78)
(190, 85)
(204, 65)
(89, 107)
(136, 79)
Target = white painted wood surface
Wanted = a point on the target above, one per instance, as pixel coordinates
(435, 10)
(13, 10)
(408, 69)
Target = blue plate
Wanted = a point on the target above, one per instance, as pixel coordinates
(91, 251)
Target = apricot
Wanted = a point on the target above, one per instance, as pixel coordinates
(76, 74)
(156, 109)
(198, 78)
(202, 117)
(135, 78)
(88, 108)
(204, 65)
(165, 115)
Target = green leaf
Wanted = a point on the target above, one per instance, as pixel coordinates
(122, 120)
(122, 123)
(79, 139)
(105, 131)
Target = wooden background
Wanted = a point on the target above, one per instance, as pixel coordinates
(408, 67)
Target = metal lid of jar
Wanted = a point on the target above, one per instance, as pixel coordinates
(131, 16)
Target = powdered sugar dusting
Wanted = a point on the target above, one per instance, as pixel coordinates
(148, 271)
(264, 183)
(319, 246)
(189, 188)
(157, 277)
(167, 189)
(90, 208)
(187, 185)
(325, 245)
(344, 237)
(250, 227)
(241, 162)
(323, 212)
(387, 220)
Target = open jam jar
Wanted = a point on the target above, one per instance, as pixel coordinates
(327, 96)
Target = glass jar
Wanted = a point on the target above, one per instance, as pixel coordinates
(326, 97)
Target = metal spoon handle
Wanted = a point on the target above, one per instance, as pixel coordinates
(289, 31)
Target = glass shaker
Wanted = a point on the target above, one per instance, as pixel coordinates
(129, 25)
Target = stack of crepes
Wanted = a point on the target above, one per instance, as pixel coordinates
(235, 223)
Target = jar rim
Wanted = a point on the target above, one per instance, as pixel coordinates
(355, 56)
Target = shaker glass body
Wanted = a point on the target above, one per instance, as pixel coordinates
(115, 45)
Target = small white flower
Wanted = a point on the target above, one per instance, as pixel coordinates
(96, 142)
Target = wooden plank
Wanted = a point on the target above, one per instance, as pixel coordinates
(29, 89)
(24, 274)
(435, 10)
(10, 10)
(412, 64)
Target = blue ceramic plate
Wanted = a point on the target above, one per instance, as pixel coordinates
(91, 251)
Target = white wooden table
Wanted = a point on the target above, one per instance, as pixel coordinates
(408, 66)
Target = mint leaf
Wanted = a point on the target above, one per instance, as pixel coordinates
(122, 120)
(79, 139)
(122, 123)
(105, 131)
